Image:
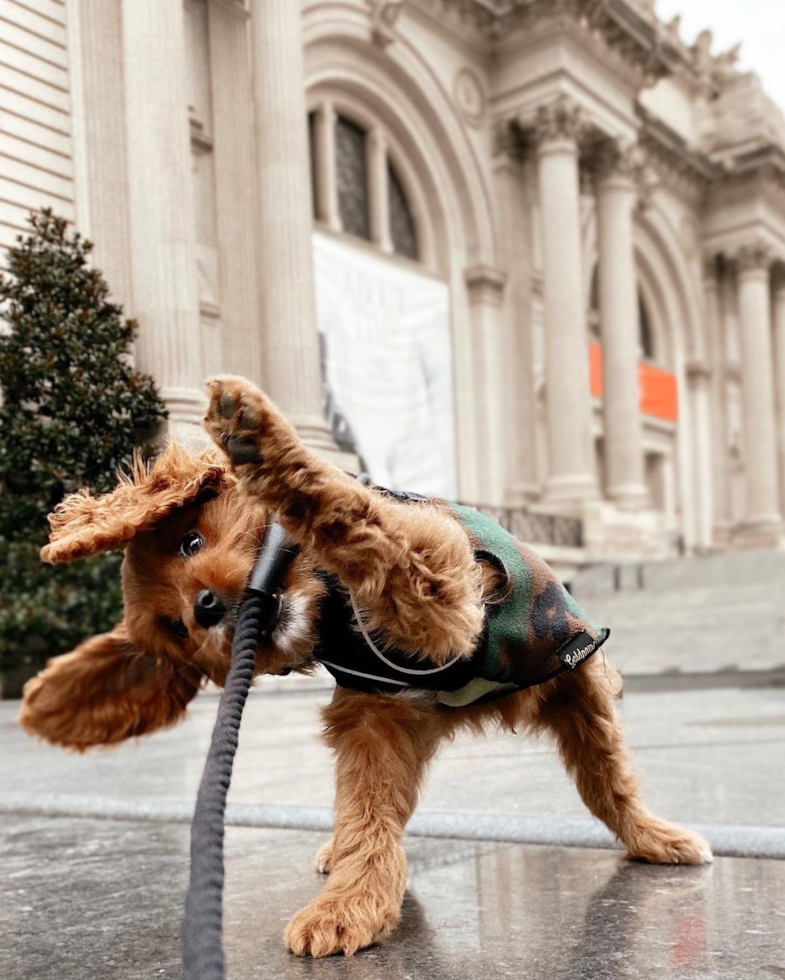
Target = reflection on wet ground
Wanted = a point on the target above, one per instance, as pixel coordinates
(95, 899)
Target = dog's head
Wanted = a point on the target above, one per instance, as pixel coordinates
(190, 536)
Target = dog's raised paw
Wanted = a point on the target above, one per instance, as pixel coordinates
(236, 418)
(326, 927)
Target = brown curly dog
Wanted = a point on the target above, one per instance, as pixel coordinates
(191, 527)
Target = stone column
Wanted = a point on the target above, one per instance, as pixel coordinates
(571, 463)
(326, 183)
(616, 199)
(779, 373)
(517, 341)
(485, 287)
(378, 189)
(162, 227)
(98, 118)
(290, 340)
(762, 522)
(699, 394)
(718, 400)
(235, 187)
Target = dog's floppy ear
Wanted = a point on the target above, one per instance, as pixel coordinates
(104, 691)
(82, 525)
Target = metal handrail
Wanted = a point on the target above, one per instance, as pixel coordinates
(536, 527)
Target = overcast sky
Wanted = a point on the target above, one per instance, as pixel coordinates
(759, 24)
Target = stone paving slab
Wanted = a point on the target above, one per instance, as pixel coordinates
(102, 900)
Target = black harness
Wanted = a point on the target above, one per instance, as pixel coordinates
(358, 661)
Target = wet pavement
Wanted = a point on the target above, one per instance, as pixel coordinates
(100, 900)
(88, 899)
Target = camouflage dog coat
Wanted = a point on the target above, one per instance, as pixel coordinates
(535, 633)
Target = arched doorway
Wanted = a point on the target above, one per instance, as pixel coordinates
(383, 311)
(427, 220)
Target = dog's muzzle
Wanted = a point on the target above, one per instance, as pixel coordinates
(208, 609)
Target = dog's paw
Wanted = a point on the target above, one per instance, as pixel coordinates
(238, 416)
(665, 843)
(324, 859)
(327, 926)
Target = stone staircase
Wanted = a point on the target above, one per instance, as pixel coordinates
(715, 614)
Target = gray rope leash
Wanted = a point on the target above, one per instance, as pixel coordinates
(202, 942)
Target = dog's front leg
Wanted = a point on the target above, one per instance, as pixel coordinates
(410, 567)
(382, 745)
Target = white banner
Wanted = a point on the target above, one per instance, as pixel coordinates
(387, 364)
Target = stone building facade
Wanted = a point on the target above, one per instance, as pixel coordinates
(545, 239)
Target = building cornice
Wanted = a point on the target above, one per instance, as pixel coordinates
(628, 28)
(669, 153)
(763, 164)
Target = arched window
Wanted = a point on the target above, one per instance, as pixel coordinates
(352, 177)
(402, 230)
(357, 189)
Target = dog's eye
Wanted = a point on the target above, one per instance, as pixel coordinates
(178, 627)
(191, 545)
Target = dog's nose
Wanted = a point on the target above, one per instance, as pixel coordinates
(208, 609)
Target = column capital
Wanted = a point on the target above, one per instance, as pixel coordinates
(234, 6)
(485, 283)
(698, 370)
(754, 257)
(617, 159)
(557, 122)
(325, 109)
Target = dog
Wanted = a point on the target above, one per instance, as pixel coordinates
(416, 588)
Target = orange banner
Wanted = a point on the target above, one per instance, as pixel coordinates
(659, 394)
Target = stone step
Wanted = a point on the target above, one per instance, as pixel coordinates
(723, 568)
(724, 612)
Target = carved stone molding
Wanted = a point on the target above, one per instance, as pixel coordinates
(698, 370)
(469, 96)
(617, 158)
(755, 256)
(233, 6)
(559, 120)
(485, 283)
(608, 160)
(713, 70)
(384, 14)
(670, 156)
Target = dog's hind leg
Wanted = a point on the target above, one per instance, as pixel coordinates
(410, 567)
(580, 711)
(382, 746)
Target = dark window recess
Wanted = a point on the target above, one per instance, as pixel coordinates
(352, 178)
(646, 332)
(312, 155)
(402, 230)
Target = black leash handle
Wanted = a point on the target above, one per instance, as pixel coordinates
(202, 939)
